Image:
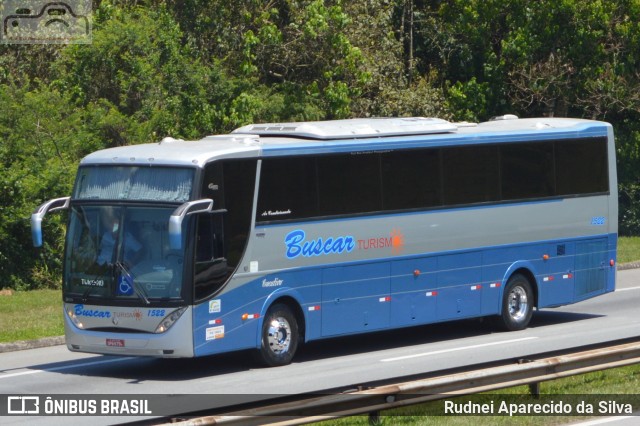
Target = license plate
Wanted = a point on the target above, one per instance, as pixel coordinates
(119, 343)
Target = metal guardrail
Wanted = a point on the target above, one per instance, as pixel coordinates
(324, 407)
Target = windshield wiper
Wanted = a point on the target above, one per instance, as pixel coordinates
(85, 295)
(139, 291)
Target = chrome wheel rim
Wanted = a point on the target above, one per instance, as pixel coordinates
(518, 303)
(279, 335)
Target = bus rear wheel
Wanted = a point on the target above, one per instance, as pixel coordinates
(280, 336)
(517, 304)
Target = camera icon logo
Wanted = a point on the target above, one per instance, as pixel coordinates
(23, 405)
(45, 22)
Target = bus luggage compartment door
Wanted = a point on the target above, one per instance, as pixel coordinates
(355, 299)
(459, 286)
(592, 267)
(414, 285)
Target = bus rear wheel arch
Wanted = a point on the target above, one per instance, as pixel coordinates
(280, 336)
(518, 301)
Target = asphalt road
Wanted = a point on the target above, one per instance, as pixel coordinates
(334, 363)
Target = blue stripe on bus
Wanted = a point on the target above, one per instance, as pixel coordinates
(356, 297)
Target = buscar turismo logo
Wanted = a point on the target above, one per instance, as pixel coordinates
(297, 244)
(135, 314)
(81, 311)
(395, 241)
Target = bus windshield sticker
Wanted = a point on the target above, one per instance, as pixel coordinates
(125, 286)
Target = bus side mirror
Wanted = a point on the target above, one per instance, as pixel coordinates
(175, 221)
(41, 212)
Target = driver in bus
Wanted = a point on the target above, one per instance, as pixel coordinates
(131, 245)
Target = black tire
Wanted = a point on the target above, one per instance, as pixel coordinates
(280, 336)
(517, 304)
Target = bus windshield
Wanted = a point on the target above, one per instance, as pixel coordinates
(122, 254)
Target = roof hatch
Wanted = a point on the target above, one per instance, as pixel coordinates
(352, 128)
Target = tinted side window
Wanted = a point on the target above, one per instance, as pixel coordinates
(333, 185)
(239, 183)
(527, 170)
(288, 189)
(411, 179)
(581, 166)
(349, 184)
(213, 185)
(470, 174)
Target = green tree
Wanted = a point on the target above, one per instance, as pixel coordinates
(197, 67)
(20, 64)
(301, 51)
(137, 68)
(392, 87)
(43, 135)
(290, 59)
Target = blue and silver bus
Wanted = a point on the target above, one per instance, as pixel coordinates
(279, 234)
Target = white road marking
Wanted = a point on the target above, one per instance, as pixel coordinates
(64, 367)
(626, 289)
(461, 348)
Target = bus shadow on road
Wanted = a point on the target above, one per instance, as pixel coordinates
(426, 334)
(551, 317)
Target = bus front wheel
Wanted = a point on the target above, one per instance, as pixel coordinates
(279, 336)
(517, 303)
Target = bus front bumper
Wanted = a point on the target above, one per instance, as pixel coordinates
(177, 342)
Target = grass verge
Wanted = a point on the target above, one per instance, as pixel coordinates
(26, 315)
(618, 384)
(628, 249)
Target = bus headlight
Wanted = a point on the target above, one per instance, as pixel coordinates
(169, 320)
(74, 319)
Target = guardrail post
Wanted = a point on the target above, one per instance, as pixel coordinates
(534, 389)
(374, 418)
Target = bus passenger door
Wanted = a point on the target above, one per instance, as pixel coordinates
(210, 264)
(413, 291)
(355, 299)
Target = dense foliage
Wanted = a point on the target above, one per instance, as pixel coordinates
(197, 67)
